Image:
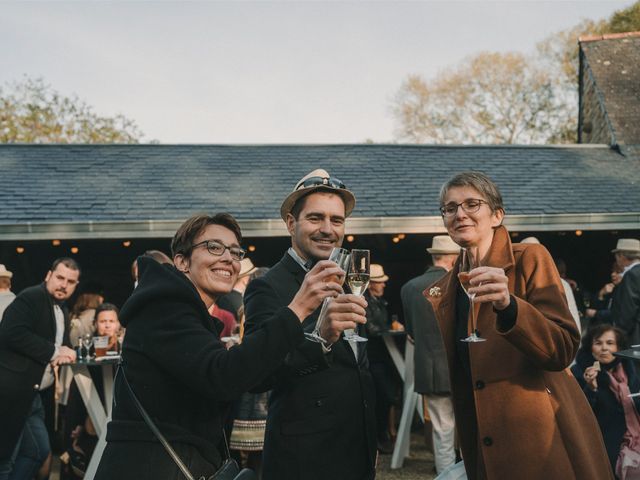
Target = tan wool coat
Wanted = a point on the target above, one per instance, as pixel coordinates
(531, 420)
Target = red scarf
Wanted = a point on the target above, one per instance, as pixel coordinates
(628, 466)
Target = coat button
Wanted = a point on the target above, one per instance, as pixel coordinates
(36, 387)
(488, 441)
(319, 403)
(479, 384)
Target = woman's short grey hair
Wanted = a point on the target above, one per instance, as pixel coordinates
(480, 182)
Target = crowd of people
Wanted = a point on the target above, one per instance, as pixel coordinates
(518, 379)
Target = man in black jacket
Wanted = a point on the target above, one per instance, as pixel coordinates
(430, 359)
(33, 339)
(625, 303)
(321, 421)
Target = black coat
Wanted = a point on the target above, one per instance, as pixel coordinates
(27, 336)
(625, 307)
(430, 358)
(607, 409)
(321, 422)
(183, 376)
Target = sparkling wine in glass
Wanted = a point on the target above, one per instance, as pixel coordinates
(358, 281)
(87, 342)
(468, 263)
(341, 257)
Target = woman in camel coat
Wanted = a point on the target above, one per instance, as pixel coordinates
(519, 411)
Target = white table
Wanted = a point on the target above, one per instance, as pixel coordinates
(99, 413)
(411, 400)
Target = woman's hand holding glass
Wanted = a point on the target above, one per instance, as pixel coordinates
(318, 284)
(590, 377)
(489, 284)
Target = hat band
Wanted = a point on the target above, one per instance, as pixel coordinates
(331, 182)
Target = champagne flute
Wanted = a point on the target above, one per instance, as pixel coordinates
(358, 281)
(87, 342)
(468, 263)
(341, 257)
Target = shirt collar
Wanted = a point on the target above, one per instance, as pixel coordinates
(629, 267)
(305, 264)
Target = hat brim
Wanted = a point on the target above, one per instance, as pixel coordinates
(439, 251)
(6, 275)
(381, 279)
(288, 203)
(248, 272)
(618, 250)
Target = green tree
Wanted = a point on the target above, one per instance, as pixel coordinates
(504, 98)
(33, 112)
(488, 98)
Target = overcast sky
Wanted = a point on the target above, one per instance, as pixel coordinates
(262, 72)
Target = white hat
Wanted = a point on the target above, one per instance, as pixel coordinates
(246, 267)
(377, 273)
(318, 180)
(4, 272)
(530, 240)
(627, 245)
(442, 244)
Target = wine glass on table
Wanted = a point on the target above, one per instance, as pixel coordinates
(468, 263)
(358, 281)
(87, 342)
(341, 257)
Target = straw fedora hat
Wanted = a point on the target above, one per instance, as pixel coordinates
(533, 240)
(246, 267)
(4, 272)
(377, 273)
(318, 180)
(442, 245)
(627, 245)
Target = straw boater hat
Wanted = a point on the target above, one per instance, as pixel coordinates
(530, 240)
(377, 273)
(627, 245)
(443, 245)
(318, 180)
(246, 267)
(4, 272)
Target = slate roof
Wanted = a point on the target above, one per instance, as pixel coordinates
(115, 183)
(614, 62)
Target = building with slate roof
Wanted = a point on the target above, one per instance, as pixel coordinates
(105, 204)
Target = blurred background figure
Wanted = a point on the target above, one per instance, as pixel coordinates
(6, 295)
(568, 290)
(232, 301)
(385, 377)
(84, 311)
(80, 434)
(246, 441)
(157, 255)
(607, 382)
(430, 359)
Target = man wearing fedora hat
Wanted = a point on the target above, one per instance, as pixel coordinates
(6, 295)
(431, 371)
(625, 305)
(320, 422)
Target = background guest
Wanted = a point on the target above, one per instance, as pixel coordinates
(6, 295)
(607, 382)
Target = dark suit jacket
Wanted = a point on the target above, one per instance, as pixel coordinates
(321, 421)
(430, 358)
(27, 336)
(625, 308)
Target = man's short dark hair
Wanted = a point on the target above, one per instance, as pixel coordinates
(301, 202)
(67, 262)
(186, 235)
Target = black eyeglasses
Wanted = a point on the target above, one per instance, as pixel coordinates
(331, 182)
(216, 248)
(470, 205)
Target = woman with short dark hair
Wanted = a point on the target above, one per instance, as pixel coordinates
(607, 381)
(519, 413)
(180, 371)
